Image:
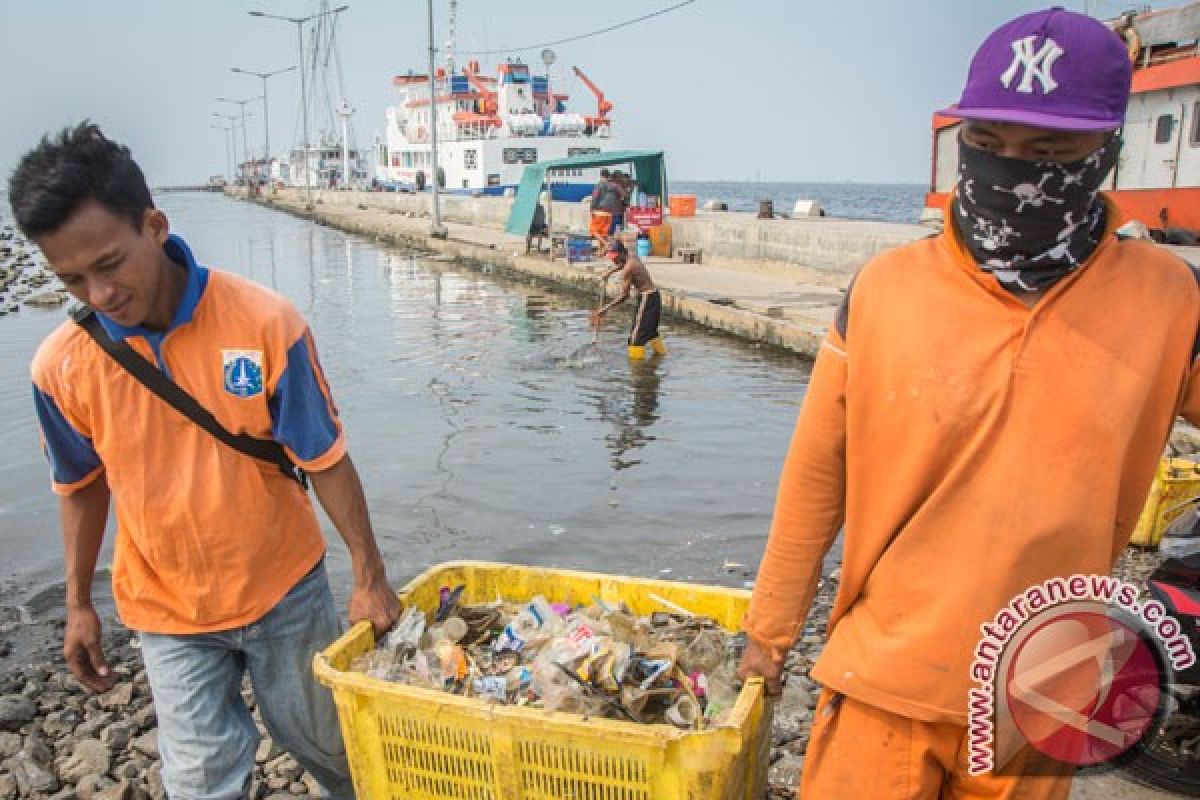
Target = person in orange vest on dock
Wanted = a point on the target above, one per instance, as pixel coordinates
(984, 418)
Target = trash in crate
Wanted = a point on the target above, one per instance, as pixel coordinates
(596, 660)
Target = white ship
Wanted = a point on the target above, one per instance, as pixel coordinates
(488, 129)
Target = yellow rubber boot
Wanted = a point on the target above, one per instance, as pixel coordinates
(659, 345)
(637, 351)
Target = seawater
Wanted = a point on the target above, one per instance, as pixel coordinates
(486, 419)
(886, 202)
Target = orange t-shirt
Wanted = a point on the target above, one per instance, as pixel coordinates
(207, 538)
(972, 447)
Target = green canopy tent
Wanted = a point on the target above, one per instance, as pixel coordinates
(649, 170)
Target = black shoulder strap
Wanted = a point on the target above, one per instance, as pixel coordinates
(173, 395)
(1196, 341)
(841, 319)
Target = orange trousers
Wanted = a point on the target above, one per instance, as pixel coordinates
(856, 752)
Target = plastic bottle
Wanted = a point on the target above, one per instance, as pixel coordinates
(545, 617)
(704, 653)
(567, 698)
(721, 692)
(407, 630)
(643, 246)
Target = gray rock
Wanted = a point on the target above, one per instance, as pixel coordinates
(127, 770)
(119, 734)
(90, 785)
(88, 757)
(800, 693)
(10, 744)
(147, 744)
(31, 776)
(59, 723)
(94, 723)
(296, 787)
(786, 771)
(793, 717)
(50, 701)
(120, 790)
(152, 780)
(47, 299)
(38, 750)
(145, 718)
(15, 712)
(117, 697)
(8, 786)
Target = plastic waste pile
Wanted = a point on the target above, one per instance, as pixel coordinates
(597, 660)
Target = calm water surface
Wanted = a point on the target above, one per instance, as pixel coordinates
(886, 202)
(484, 421)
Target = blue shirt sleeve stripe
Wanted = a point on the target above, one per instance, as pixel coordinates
(71, 455)
(301, 417)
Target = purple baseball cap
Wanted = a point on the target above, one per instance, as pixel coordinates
(1051, 69)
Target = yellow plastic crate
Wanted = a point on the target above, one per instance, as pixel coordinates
(1176, 481)
(406, 743)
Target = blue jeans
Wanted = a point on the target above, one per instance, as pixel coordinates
(206, 734)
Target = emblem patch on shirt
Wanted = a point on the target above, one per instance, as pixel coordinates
(243, 372)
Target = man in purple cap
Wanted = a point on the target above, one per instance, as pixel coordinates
(984, 420)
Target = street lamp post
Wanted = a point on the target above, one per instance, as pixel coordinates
(299, 23)
(226, 130)
(437, 230)
(245, 144)
(266, 118)
(232, 119)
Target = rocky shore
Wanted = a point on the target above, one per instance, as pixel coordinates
(24, 275)
(57, 740)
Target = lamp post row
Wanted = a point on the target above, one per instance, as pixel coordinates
(266, 108)
(299, 23)
(232, 119)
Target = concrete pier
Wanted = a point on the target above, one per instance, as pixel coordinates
(785, 296)
(773, 281)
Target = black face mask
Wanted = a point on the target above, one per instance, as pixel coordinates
(1030, 223)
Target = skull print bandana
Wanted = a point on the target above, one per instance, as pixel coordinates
(1030, 223)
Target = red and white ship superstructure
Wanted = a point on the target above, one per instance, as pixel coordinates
(1157, 179)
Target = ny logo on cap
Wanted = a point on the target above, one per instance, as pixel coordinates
(1037, 65)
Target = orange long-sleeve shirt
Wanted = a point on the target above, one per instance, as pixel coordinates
(971, 447)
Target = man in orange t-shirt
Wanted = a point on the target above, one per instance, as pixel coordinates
(219, 558)
(985, 415)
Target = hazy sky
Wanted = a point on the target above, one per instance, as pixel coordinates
(731, 89)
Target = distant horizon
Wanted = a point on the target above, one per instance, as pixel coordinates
(853, 103)
(671, 179)
(799, 180)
